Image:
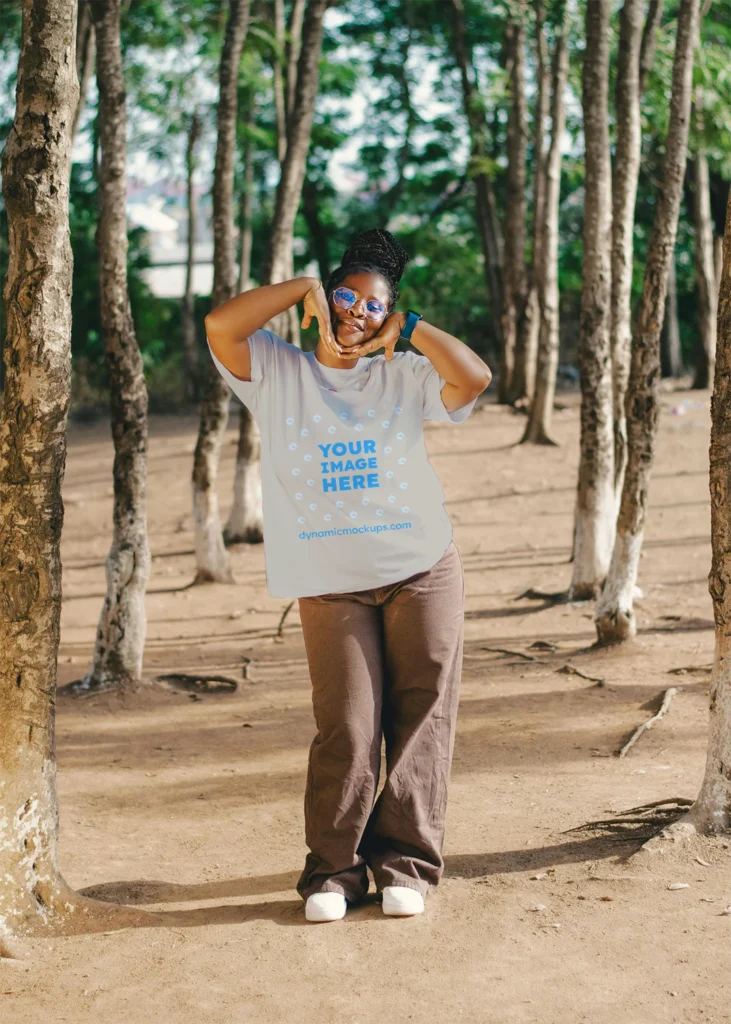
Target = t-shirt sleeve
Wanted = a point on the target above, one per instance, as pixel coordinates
(431, 383)
(263, 348)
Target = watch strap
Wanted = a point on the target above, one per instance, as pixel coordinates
(410, 323)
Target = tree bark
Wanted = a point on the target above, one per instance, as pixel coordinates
(670, 357)
(711, 812)
(538, 429)
(615, 620)
(36, 163)
(245, 521)
(212, 561)
(705, 273)
(85, 56)
(513, 376)
(595, 505)
(293, 48)
(530, 322)
(120, 637)
(278, 81)
(649, 39)
(318, 234)
(624, 194)
(190, 340)
(488, 223)
(246, 203)
(278, 259)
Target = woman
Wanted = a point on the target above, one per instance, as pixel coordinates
(355, 528)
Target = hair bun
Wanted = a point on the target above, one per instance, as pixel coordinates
(379, 248)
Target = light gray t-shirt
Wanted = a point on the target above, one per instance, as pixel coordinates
(350, 499)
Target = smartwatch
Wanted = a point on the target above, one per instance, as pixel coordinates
(410, 323)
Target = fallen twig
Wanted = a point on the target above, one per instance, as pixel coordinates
(569, 670)
(555, 597)
(503, 650)
(684, 670)
(667, 697)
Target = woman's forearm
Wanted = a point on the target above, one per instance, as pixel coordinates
(452, 359)
(238, 318)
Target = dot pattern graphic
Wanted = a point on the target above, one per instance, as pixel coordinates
(390, 461)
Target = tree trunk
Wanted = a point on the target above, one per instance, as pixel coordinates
(120, 637)
(246, 202)
(711, 812)
(649, 38)
(624, 194)
(278, 81)
(212, 561)
(512, 381)
(705, 274)
(670, 357)
(190, 341)
(318, 234)
(615, 618)
(245, 521)
(538, 429)
(293, 48)
(530, 322)
(36, 163)
(278, 261)
(85, 56)
(488, 224)
(595, 504)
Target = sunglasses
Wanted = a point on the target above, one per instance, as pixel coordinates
(346, 297)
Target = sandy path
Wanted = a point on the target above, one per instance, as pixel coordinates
(194, 807)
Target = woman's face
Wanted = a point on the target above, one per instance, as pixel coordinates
(352, 326)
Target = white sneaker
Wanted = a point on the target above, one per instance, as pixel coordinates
(401, 901)
(325, 906)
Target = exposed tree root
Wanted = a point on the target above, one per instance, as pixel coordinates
(638, 824)
(504, 650)
(664, 706)
(280, 628)
(200, 682)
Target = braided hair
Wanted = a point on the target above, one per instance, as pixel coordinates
(375, 251)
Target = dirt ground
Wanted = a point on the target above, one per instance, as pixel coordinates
(193, 807)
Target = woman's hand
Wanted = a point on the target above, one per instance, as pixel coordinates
(386, 337)
(315, 303)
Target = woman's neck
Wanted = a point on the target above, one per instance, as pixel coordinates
(327, 359)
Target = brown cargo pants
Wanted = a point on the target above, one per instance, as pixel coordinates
(384, 663)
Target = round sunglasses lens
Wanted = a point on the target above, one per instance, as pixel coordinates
(343, 297)
(374, 310)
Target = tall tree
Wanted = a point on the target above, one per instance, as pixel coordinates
(245, 520)
(488, 223)
(277, 259)
(615, 614)
(246, 199)
(120, 638)
(85, 56)
(625, 175)
(538, 428)
(670, 359)
(524, 374)
(705, 275)
(190, 340)
(36, 162)
(212, 561)
(515, 281)
(595, 504)
(711, 811)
